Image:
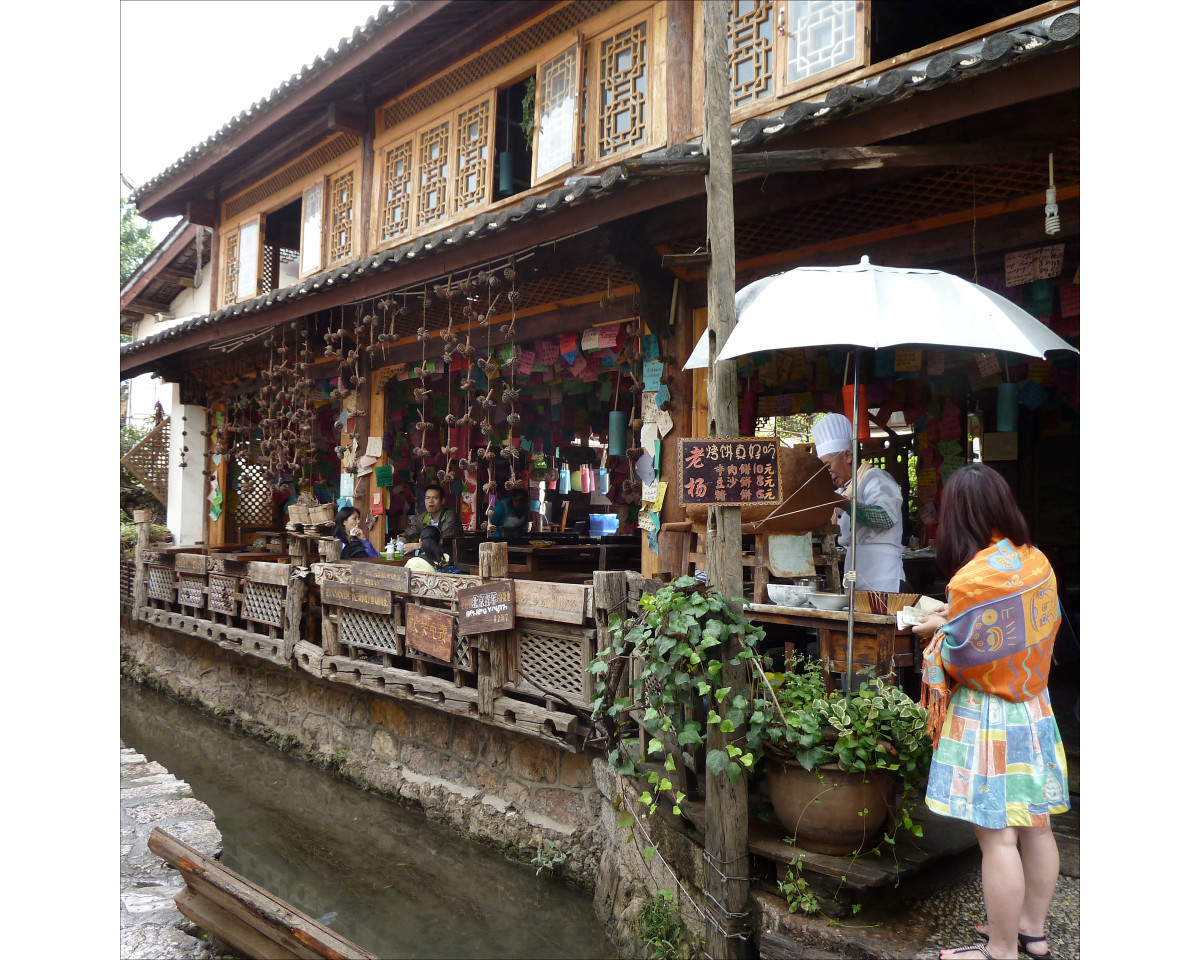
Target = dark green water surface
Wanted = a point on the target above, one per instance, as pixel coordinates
(377, 872)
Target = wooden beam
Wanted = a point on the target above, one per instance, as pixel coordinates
(727, 860)
(181, 244)
(842, 158)
(201, 211)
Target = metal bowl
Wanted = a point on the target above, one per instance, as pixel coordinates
(829, 601)
(787, 595)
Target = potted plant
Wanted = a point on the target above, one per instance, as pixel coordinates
(835, 764)
(838, 766)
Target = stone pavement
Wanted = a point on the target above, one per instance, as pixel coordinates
(151, 925)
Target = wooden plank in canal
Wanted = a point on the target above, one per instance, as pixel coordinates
(250, 919)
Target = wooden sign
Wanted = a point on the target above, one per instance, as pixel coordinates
(487, 608)
(429, 631)
(357, 596)
(392, 576)
(1038, 263)
(728, 471)
(191, 563)
(560, 602)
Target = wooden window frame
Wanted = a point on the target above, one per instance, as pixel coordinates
(576, 43)
(413, 132)
(312, 185)
(235, 229)
(354, 169)
(862, 14)
(655, 63)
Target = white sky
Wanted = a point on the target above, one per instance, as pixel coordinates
(184, 77)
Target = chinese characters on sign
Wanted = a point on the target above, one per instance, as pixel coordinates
(486, 608)
(729, 471)
(429, 631)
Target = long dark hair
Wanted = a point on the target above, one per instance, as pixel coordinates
(976, 501)
(339, 523)
(431, 545)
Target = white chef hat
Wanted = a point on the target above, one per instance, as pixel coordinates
(831, 434)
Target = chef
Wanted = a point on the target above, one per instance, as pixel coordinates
(879, 505)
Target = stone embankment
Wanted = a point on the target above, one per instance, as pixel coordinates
(151, 925)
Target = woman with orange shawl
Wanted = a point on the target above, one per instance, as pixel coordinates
(998, 759)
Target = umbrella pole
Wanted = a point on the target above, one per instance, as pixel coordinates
(851, 569)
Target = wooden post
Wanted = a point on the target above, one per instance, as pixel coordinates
(293, 608)
(141, 519)
(375, 423)
(493, 561)
(726, 859)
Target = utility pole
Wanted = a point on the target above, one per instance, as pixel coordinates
(726, 860)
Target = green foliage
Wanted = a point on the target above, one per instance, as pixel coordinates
(527, 106)
(136, 241)
(288, 742)
(659, 927)
(678, 636)
(794, 889)
(550, 857)
(338, 760)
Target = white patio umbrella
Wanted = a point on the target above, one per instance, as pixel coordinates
(864, 305)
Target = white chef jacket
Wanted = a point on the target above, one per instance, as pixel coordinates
(877, 557)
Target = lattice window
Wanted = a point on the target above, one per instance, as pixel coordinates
(191, 589)
(555, 662)
(463, 658)
(750, 50)
(222, 594)
(230, 274)
(472, 181)
(557, 96)
(821, 35)
(128, 574)
(160, 582)
(253, 487)
(397, 191)
(263, 603)
(433, 171)
(622, 76)
(150, 459)
(341, 217)
(270, 267)
(361, 628)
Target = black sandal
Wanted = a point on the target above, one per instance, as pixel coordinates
(981, 947)
(1023, 943)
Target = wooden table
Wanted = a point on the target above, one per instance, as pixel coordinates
(529, 559)
(877, 643)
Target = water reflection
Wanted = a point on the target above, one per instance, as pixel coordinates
(382, 874)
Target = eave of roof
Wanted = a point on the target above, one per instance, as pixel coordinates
(999, 50)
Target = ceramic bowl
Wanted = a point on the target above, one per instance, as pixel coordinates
(828, 601)
(786, 594)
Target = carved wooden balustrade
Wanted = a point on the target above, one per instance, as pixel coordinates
(364, 617)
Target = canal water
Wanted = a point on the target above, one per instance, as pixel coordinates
(378, 872)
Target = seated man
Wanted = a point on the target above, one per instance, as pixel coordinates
(510, 515)
(436, 514)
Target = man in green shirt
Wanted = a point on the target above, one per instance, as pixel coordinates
(436, 514)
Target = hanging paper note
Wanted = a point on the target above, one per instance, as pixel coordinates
(653, 375)
(590, 339)
(907, 361)
(568, 347)
(606, 391)
(1068, 299)
(383, 476)
(644, 521)
(608, 336)
(1037, 263)
(663, 395)
(547, 351)
(347, 487)
(649, 434)
(659, 496)
(579, 365)
(645, 468)
(987, 362)
(374, 446)
(665, 423)
(525, 365)
(649, 348)
(937, 363)
(649, 491)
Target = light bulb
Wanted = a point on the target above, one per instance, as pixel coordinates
(1053, 224)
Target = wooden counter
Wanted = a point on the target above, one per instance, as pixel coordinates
(877, 643)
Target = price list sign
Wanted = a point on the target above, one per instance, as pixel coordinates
(728, 471)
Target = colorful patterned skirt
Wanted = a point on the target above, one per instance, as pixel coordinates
(998, 764)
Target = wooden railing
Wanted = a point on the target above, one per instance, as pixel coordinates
(351, 622)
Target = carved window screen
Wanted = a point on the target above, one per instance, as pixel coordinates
(255, 507)
(433, 172)
(395, 221)
(341, 217)
(556, 134)
(823, 37)
(229, 244)
(622, 72)
(750, 45)
(473, 148)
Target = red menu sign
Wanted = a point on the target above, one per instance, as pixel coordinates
(729, 471)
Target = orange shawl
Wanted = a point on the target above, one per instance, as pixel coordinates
(999, 636)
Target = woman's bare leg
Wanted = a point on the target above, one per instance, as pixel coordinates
(1039, 864)
(1003, 888)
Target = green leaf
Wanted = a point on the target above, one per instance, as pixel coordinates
(713, 717)
(670, 764)
(727, 727)
(716, 762)
(654, 746)
(689, 734)
(722, 694)
(649, 852)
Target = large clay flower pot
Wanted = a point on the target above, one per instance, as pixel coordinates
(822, 813)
